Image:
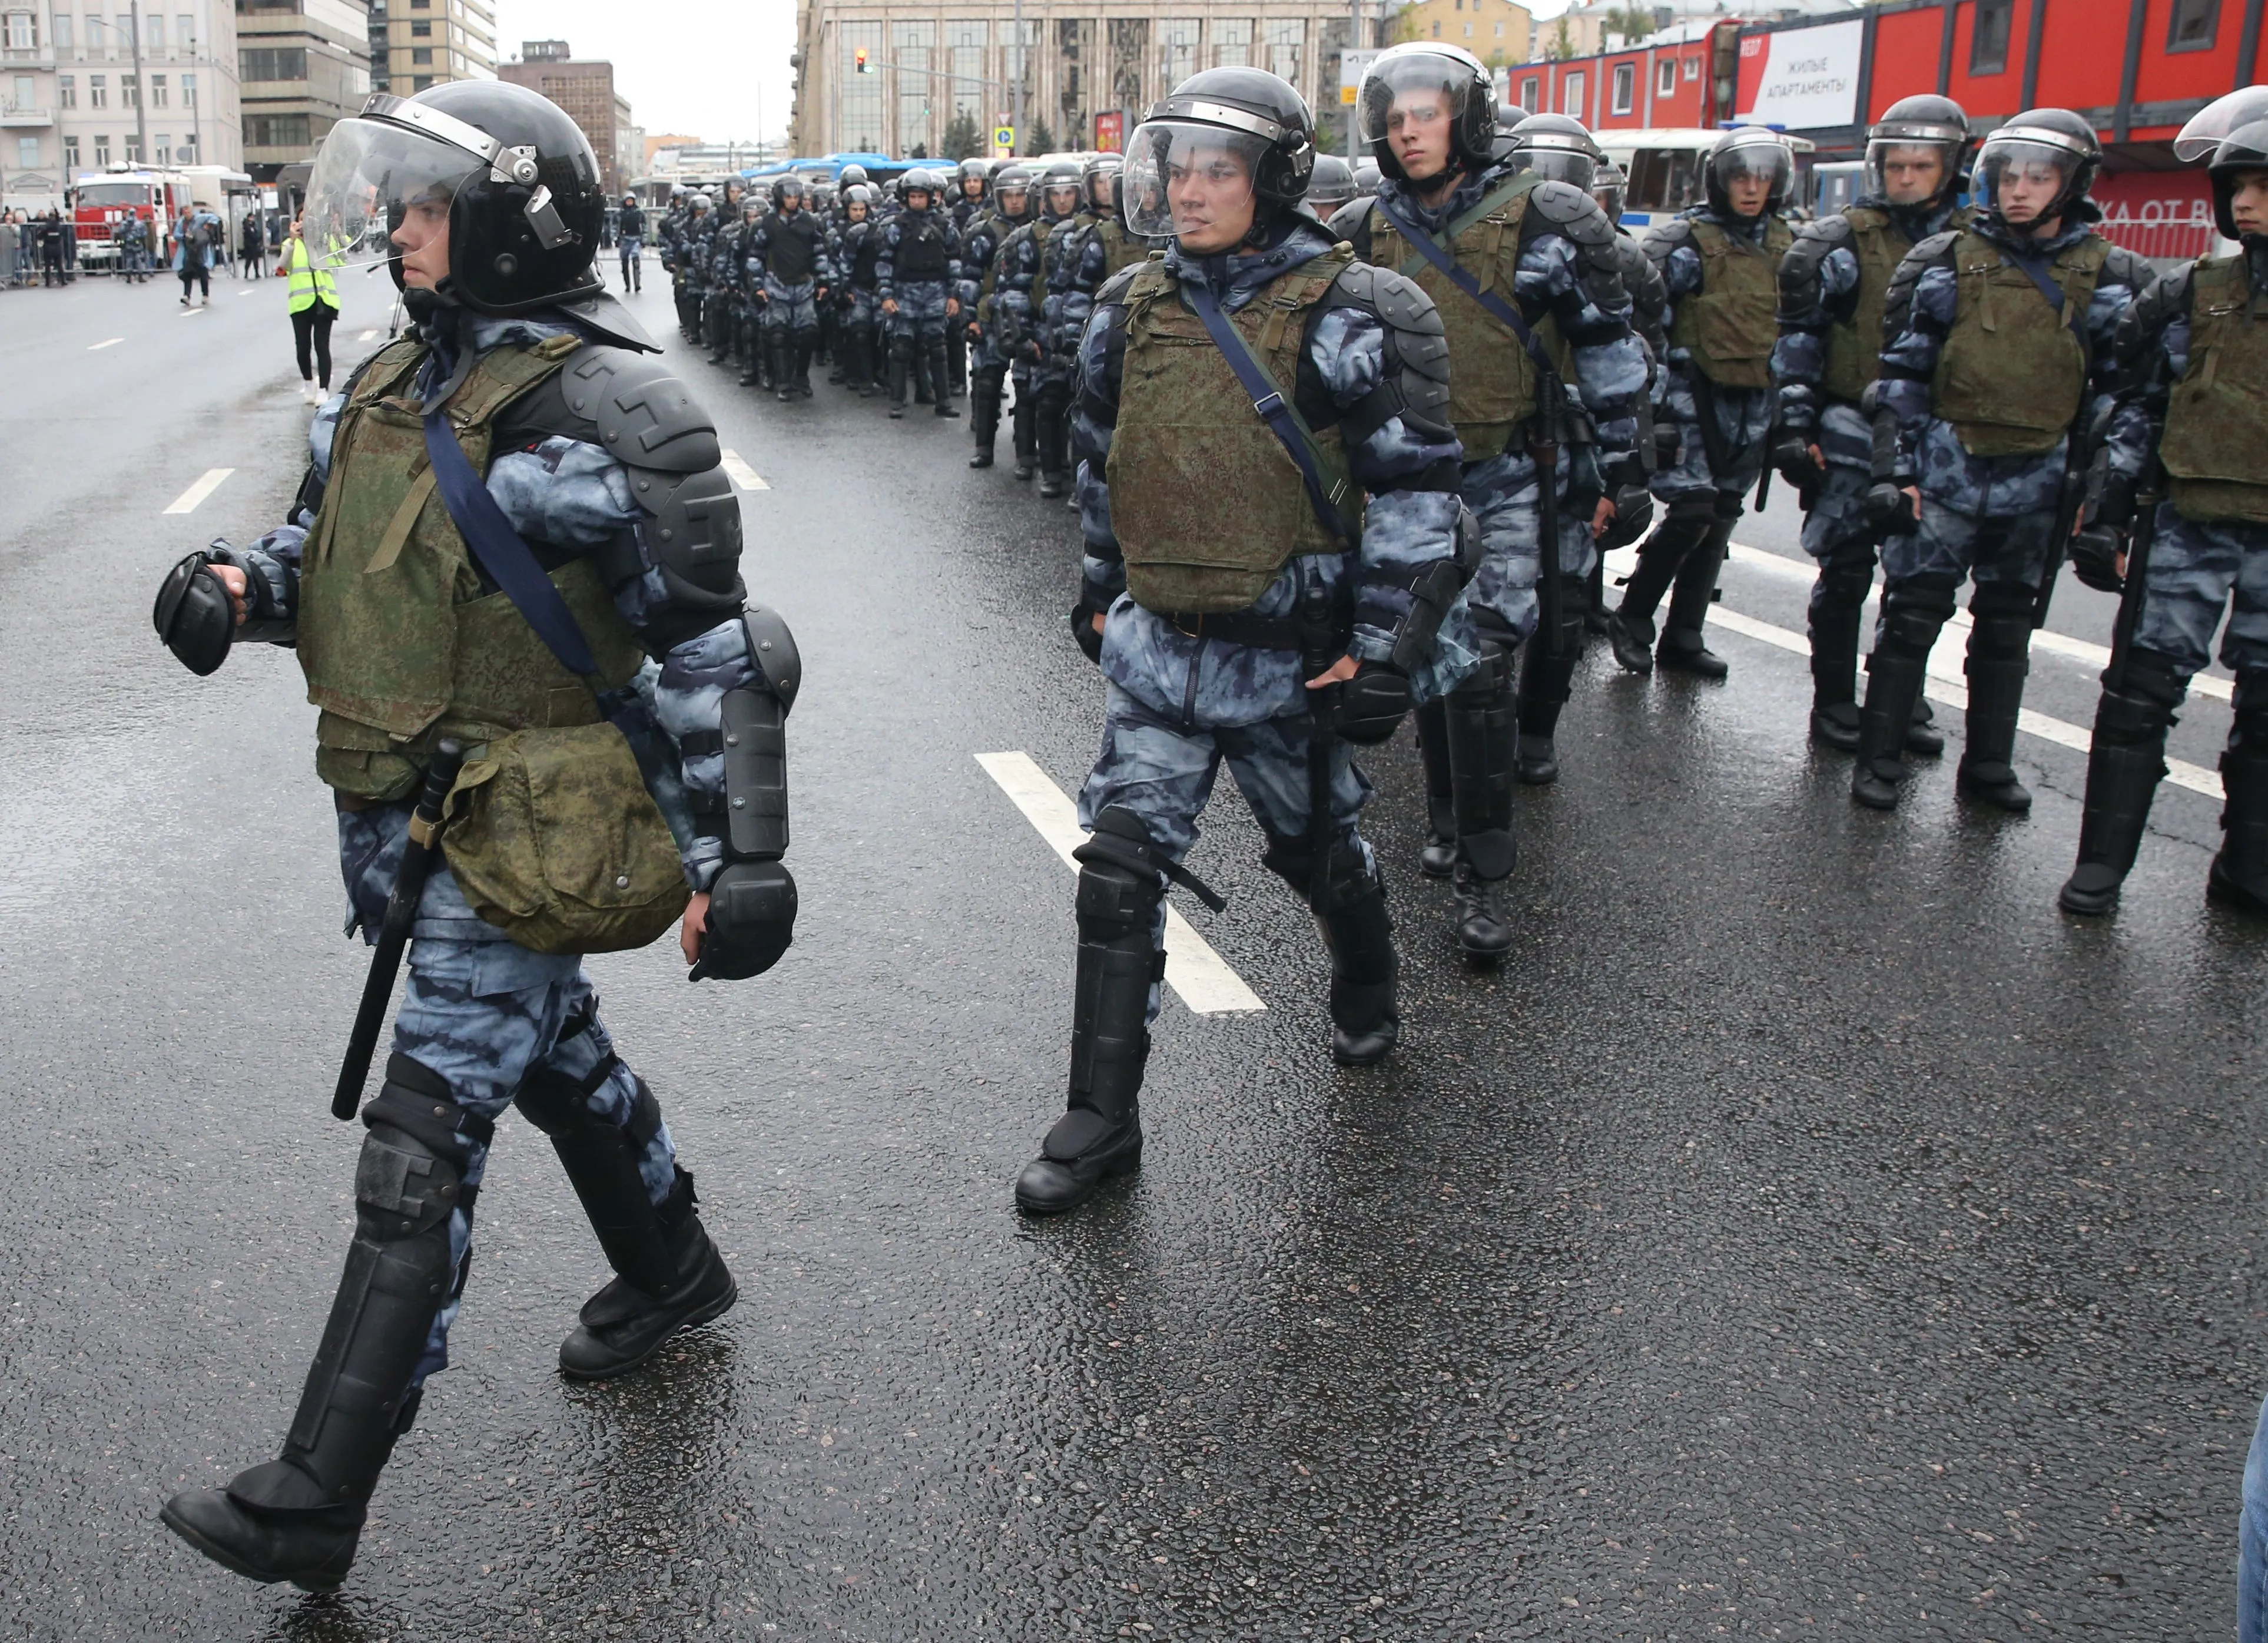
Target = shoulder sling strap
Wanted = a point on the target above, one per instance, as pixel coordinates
(1433, 251)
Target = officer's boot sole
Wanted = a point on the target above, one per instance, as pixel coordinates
(1048, 1186)
(1632, 649)
(588, 1354)
(1835, 724)
(2092, 890)
(212, 1522)
(2010, 795)
(2223, 890)
(1367, 1047)
(1872, 788)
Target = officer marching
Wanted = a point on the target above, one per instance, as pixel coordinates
(1238, 392)
(2192, 360)
(574, 629)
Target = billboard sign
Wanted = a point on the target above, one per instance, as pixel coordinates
(1802, 79)
(1110, 132)
(1352, 66)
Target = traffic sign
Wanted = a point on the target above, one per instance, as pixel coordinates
(1003, 137)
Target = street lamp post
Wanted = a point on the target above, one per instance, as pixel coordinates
(141, 103)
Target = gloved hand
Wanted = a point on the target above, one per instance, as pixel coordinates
(194, 615)
(1791, 458)
(1373, 703)
(1889, 510)
(1634, 513)
(2096, 553)
(751, 921)
(1085, 633)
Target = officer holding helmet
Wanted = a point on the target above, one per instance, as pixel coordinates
(1834, 285)
(1996, 337)
(1473, 231)
(2192, 425)
(514, 541)
(1238, 397)
(1719, 263)
(1009, 209)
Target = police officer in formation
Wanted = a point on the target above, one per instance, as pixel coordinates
(1091, 250)
(2000, 334)
(686, 258)
(1539, 468)
(2180, 524)
(1008, 207)
(1719, 264)
(788, 250)
(1833, 289)
(916, 274)
(1234, 581)
(856, 250)
(1019, 314)
(625, 705)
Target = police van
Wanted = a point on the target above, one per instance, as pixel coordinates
(1664, 169)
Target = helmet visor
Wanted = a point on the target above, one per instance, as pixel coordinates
(1898, 166)
(2037, 163)
(2198, 139)
(1745, 158)
(1558, 159)
(1417, 91)
(1184, 176)
(377, 189)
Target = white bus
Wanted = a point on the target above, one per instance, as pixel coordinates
(1664, 168)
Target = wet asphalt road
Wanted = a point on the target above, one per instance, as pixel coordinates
(1807, 1232)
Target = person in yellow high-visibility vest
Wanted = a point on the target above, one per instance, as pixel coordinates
(314, 293)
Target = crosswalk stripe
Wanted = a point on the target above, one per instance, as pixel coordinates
(187, 502)
(94, 348)
(1200, 975)
(743, 475)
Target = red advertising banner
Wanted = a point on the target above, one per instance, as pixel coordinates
(2157, 213)
(1110, 133)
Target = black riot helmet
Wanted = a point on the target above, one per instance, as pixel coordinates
(849, 176)
(920, 179)
(1425, 80)
(2040, 140)
(1558, 148)
(1500, 149)
(1062, 176)
(1367, 173)
(859, 195)
(1248, 115)
(1608, 187)
(788, 188)
(1927, 120)
(1098, 182)
(512, 175)
(2230, 134)
(1330, 187)
(1749, 151)
(1012, 180)
(973, 171)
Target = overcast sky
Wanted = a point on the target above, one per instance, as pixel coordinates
(690, 66)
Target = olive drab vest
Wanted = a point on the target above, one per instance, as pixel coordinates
(399, 644)
(1208, 505)
(2217, 416)
(1854, 346)
(1729, 327)
(1491, 373)
(2012, 370)
(1120, 249)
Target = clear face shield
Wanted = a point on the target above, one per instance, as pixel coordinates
(2022, 180)
(1909, 170)
(1557, 158)
(1418, 97)
(2218, 118)
(1182, 177)
(1608, 188)
(1746, 163)
(1015, 200)
(375, 181)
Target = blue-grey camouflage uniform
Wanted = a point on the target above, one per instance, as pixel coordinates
(920, 299)
(790, 304)
(1743, 416)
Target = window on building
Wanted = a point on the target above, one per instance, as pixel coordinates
(62, 31)
(1531, 92)
(1500, 31)
(420, 29)
(121, 27)
(1287, 41)
(133, 148)
(129, 88)
(27, 152)
(1693, 68)
(421, 54)
(97, 91)
(1469, 31)
(185, 32)
(153, 31)
(95, 40)
(1988, 40)
(910, 48)
(162, 146)
(1177, 50)
(1665, 77)
(421, 82)
(101, 150)
(272, 63)
(1570, 94)
(860, 103)
(21, 33)
(158, 93)
(189, 93)
(1625, 88)
(67, 90)
(70, 153)
(1437, 29)
(965, 43)
(1231, 43)
(284, 131)
(2195, 23)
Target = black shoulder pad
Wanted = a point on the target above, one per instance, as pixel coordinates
(1572, 212)
(772, 648)
(1799, 269)
(2164, 300)
(1399, 301)
(1933, 249)
(1664, 238)
(1114, 289)
(646, 417)
(1350, 223)
(2125, 268)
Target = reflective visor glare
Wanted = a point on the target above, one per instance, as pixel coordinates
(1181, 177)
(1420, 89)
(2217, 119)
(371, 179)
(1562, 166)
(2034, 163)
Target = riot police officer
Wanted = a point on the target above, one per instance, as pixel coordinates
(1995, 333)
(1719, 262)
(1010, 207)
(687, 263)
(1834, 285)
(790, 248)
(2189, 438)
(1331, 187)
(1090, 254)
(518, 363)
(1232, 582)
(1468, 228)
(915, 274)
(856, 254)
(1020, 313)
(629, 236)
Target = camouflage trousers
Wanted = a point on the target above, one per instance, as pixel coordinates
(792, 308)
(921, 311)
(483, 1013)
(2194, 569)
(1953, 547)
(1505, 497)
(1742, 421)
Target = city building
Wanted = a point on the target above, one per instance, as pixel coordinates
(417, 43)
(82, 90)
(1497, 32)
(1594, 26)
(893, 76)
(303, 65)
(586, 90)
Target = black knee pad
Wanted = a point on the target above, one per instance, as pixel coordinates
(1913, 611)
(1728, 505)
(1119, 889)
(2153, 676)
(1845, 580)
(2002, 598)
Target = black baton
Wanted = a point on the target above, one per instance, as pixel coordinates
(394, 934)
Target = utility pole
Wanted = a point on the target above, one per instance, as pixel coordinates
(141, 103)
(1023, 68)
(1355, 43)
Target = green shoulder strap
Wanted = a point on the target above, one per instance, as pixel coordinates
(1496, 199)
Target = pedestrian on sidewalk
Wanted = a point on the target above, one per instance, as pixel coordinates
(189, 256)
(255, 246)
(314, 293)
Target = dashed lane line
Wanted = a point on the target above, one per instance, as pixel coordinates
(186, 313)
(367, 336)
(745, 477)
(187, 502)
(1193, 969)
(112, 341)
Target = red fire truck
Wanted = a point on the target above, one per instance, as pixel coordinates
(103, 199)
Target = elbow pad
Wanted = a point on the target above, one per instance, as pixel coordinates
(754, 736)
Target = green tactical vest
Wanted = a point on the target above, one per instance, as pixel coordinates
(2217, 416)
(1187, 442)
(1854, 348)
(1491, 374)
(399, 645)
(2011, 370)
(1120, 249)
(1729, 327)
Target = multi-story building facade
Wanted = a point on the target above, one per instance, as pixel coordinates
(417, 43)
(303, 66)
(1497, 32)
(586, 90)
(1086, 68)
(84, 84)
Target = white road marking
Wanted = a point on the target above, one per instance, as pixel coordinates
(745, 477)
(187, 313)
(187, 502)
(367, 336)
(247, 293)
(1193, 969)
(94, 348)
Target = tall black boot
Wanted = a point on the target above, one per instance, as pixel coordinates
(1359, 937)
(1999, 642)
(1483, 732)
(937, 378)
(2124, 762)
(297, 1518)
(1023, 435)
(783, 358)
(751, 357)
(902, 364)
(1911, 618)
(2239, 878)
(668, 1275)
(1694, 590)
(1099, 1134)
(718, 332)
(859, 362)
(803, 342)
(983, 418)
(1844, 580)
(1595, 613)
(1054, 442)
(1438, 859)
(1546, 682)
(1630, 628)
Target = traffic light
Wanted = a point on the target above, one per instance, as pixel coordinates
(862, 69)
